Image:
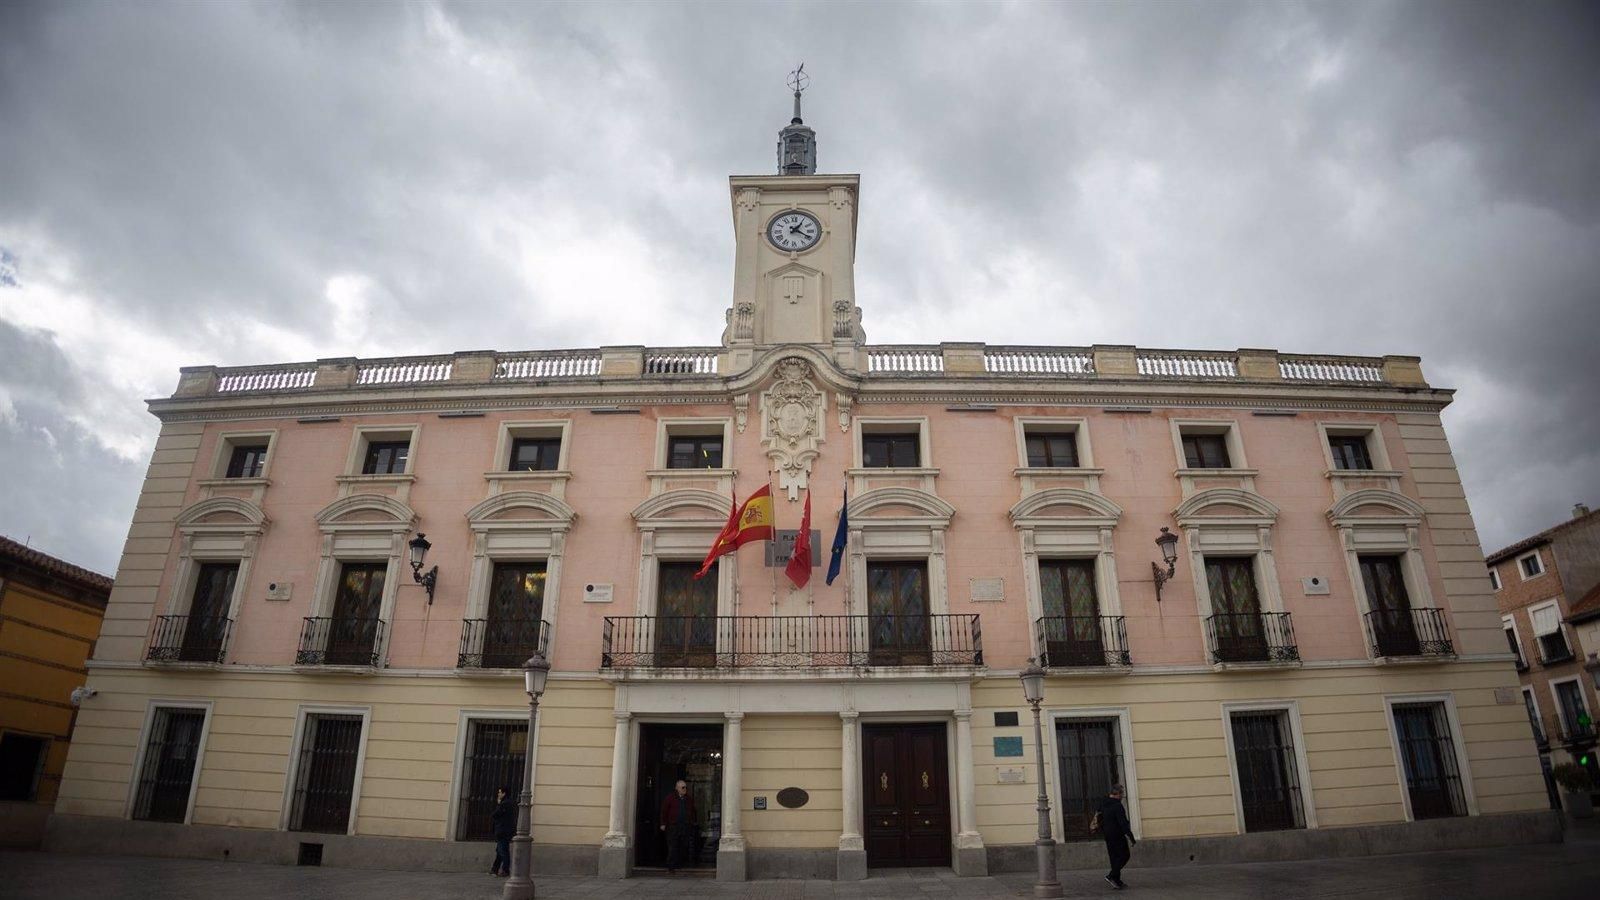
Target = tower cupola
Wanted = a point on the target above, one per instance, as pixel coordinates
(797, 143)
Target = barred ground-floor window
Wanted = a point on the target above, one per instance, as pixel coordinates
(167, 772)
(1428, 758)
(494, 758)
(325, 773)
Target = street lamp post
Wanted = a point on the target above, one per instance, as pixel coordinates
(520, 885)
(1047, 887)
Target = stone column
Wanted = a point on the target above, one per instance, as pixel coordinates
(852, 849)
(614, 846)
(970, 857)
(730, 851)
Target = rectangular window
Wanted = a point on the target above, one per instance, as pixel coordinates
(353, 629)
(206, 627)
(1206, 451)
(898, 627)
(535, 454)
(1531, 565)
(386, 458)
(247, 461)
(1394, 632)
(167, 775)
(1350, 451)
(1494, 579)
(1089, 756)
(1516, 647)
(1428, 757)
(891, 451)
(21, 760)
(1071, 623)
(1269, 777)
(325, 776)
(1574, 715)
(686, 616)
(495, 752)
(1052, 450)
(1237, 629)
(1533, 716)
(694, 451)
(1548, 632)
(515, 614)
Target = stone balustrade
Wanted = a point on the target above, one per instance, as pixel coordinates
(956, 360)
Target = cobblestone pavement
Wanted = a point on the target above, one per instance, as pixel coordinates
(1530, 873)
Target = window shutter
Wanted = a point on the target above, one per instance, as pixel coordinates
(1546, 621)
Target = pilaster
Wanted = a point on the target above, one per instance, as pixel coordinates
(970, 858)
(614, 846)
(730, 850)
(852, 863)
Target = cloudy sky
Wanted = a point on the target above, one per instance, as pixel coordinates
(238, 183)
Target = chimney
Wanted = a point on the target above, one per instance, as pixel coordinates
(1579, 510)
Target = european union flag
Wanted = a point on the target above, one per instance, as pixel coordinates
(840, 538)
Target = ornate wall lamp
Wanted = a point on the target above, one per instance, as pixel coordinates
(419, 553)
(1168, 542)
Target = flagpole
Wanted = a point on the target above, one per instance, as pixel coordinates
(774, 569)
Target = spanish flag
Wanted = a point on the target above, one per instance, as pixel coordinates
(750, 522)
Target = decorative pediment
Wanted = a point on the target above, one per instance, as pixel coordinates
(688, 505)
(1375, 505)
(899, 503)
(1226, 505)
(366, 509)
(792, 428)
(523, 506)
(1057, 504)
(231, 513)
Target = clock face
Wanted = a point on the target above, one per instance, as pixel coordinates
(794, 231)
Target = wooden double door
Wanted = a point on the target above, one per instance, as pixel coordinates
(907, 795)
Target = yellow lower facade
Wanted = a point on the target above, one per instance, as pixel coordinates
(1182, 779)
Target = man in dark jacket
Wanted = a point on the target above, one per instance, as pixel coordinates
(679, 822)
(504, 822)
(1118, 834)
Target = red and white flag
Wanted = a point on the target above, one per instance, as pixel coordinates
(799, 567)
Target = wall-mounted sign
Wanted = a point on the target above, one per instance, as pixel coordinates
(1008, 746)
(781, 547)
(1009, 775)
(988, 590)
(1005, 720)
(792, 798)
(761, 803)
(597, 593)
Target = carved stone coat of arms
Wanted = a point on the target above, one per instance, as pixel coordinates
(792, 432)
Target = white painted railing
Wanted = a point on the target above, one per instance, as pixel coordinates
(404, 371)
(548, 364)
(687, 361)
(1330, 368)
(1038, 361)
(1186, 364)
(905, 360)
(266, 378)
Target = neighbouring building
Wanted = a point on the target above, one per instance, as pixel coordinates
(1324, 670)
(50, 612)
(1548, 588)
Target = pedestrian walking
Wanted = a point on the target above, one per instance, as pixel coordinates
(679, 822)
(504, 822)
(1112, 818)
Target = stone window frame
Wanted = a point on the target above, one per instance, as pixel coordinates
(354, 480)
(1538, 561)
(1508, 622)
(694, 426)
(1238, 462)
(664, 537)
(518, 540)
(1077, 426)
(1453, 720)
(222, 453)
(1291, 709)
(1372, 432)
(459, 759)
(918, 536)
(1396, 533)
(1233, 535)
(142, 749)
(1130, 775)
(302, 713)
(224, 542)
(1088, 536)
(362, 542)
(499, 474)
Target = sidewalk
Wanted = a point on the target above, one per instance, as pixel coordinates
(1529, 873)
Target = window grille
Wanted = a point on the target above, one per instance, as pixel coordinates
(1428, 756)
(1090, 760)
(169, 760)
(1269, 779)
(495, 756)
(326, 774)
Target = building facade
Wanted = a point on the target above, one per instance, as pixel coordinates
(1325, 660)
(50, 612)
(1548, 589)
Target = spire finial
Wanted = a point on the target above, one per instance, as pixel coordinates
(797, 144)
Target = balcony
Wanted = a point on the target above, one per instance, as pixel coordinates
(1251, 638)
(501, 643)
(1575, 730)
(1405, 633)
(745, 643)
(327, 641)
(1073, 642)
(189, 639)
(1554, 649)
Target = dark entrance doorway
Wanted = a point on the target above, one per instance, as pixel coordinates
(666, 754)
(907, 795)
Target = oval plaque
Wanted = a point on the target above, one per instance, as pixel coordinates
(792, 798)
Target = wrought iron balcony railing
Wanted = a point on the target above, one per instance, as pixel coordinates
(1251, 637)
(329, 641)
(1575, 729)
(501, 643)
(1554, 649)
(1081, 641)
(789, 642)
(1408, 632)
(198, 639)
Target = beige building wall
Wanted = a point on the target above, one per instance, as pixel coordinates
(792, 751)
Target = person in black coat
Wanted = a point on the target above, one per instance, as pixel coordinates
(1118, 833)
(504, 821)
(681, 824)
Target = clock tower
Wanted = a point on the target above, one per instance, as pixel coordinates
(794, 257)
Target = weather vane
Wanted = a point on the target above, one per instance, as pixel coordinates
(798, 79)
